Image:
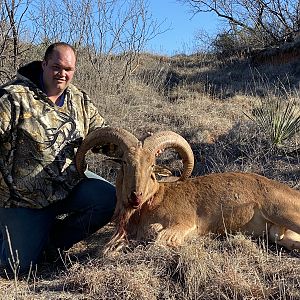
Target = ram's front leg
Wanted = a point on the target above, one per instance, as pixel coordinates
(175, 235)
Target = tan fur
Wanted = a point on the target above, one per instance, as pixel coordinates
(169, 212)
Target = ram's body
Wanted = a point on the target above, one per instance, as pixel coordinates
(218, 203)
(168, 212)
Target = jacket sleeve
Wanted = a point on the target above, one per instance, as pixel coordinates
(95, 119)
(7, 113)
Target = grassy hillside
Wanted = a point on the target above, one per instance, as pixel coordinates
(206, 101)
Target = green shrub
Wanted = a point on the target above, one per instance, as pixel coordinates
(278, 118)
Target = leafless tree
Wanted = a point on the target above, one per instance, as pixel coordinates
(106, 31)
(15, 35)
(265, 22)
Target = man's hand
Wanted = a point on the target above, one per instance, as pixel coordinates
(108, 149)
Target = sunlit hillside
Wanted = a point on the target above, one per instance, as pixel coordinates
(213, 104)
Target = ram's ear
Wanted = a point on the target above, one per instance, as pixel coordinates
(162, 171)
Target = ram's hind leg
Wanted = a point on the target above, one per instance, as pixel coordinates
(284, 237)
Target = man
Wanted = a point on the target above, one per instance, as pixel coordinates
(43, 119)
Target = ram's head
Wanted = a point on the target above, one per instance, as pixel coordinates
(136, 181)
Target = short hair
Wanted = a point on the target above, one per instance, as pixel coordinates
(54, 46)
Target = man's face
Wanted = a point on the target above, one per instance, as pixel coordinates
(58, 71)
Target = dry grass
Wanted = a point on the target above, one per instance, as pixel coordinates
(210, 267)
(205, 102)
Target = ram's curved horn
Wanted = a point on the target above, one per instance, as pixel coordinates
(169, 139)
(102, 136)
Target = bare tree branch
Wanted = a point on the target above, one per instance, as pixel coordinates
(269, 22)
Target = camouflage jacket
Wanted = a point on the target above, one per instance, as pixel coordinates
(38, 140)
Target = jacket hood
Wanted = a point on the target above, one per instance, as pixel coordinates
(31, 72)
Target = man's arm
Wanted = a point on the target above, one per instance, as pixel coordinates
(96, 120)
(6, 112)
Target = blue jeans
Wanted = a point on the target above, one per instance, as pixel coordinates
(89, 206)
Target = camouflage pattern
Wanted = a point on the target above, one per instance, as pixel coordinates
(38, 140)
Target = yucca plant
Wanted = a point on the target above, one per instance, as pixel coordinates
(278, 118)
